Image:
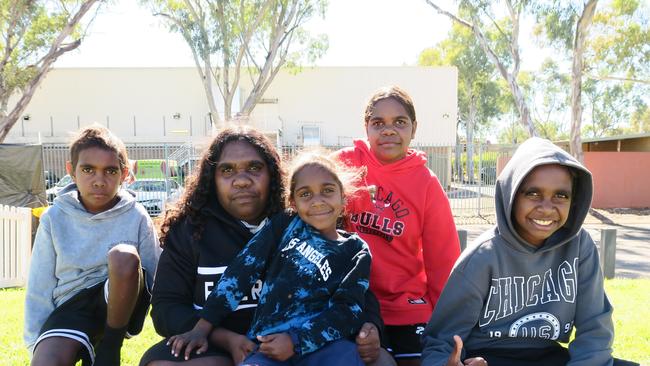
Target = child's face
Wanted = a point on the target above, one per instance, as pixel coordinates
(98, 176)
(243, 180)
(542, 203)
(318, 199)
(390, 130)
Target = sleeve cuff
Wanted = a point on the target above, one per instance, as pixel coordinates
(295, 339)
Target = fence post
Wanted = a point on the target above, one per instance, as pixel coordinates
(462, 238)
(480, 181)
(608, 252)
(25, 242)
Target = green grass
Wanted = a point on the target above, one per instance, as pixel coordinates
(631, 300)
(14, 353)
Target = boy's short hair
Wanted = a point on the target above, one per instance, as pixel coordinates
(97, 136)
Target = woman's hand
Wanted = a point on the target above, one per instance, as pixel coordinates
(278, 346)
(190, 340)
(195, 338)
(239, 347)
(368, 343)
(454, 358)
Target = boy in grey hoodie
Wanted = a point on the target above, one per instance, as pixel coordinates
(93, 261)
(527, 283)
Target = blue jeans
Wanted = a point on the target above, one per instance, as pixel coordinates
(341, 352)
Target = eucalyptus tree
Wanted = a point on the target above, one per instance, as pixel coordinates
(610, 52)
(550, 95)
(567, 23)
(231, 40)
(477, 90)
(480, 16)
(33, 35)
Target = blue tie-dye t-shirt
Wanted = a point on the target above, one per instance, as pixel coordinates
(313, 289)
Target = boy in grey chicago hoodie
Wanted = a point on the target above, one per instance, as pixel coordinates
(93, 261)
(524, 285)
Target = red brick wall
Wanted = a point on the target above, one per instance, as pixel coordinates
(621, 179)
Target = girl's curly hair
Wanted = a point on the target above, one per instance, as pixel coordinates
(200, 186)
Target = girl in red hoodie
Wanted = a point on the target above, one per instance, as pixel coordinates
(405, 219)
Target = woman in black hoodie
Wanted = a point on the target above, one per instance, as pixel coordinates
(238, 185)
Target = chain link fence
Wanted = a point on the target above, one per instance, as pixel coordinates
(466, 172)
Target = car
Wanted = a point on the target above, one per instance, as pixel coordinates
(53, 192)
(155, 193)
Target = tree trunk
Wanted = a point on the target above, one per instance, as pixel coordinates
(206, 79)
(582, 29)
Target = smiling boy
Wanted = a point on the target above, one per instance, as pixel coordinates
(93, 261)
(525, 285)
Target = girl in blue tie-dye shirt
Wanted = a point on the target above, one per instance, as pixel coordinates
(315, 277)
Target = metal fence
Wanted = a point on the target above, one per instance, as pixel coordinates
(468, 182)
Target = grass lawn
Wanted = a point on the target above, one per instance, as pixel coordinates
(631, 300)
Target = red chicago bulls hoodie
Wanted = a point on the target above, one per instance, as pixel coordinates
(410, 230)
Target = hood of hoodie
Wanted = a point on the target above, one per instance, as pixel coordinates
(529, 155)
(412, 159)
(68, 201)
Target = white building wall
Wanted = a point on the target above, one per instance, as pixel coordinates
(334, 98)
(139, 104)
(116, 97)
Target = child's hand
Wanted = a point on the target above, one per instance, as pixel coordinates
(368, 343)
(239, 347)
(195, 338)
(454, 358)
(276, 346)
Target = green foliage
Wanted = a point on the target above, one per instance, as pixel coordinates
(640, 121)
(617, 55)
(555, 20)
(549, 90)
(27, 31)
(514, 133)
(620, 43)
(485, 160)
(610, 105)
(477, 85)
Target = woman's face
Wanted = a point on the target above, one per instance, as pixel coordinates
(242, 182)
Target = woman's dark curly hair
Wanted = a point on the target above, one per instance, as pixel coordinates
(200, 186)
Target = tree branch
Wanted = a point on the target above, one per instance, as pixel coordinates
(617, 78)
(56, 50)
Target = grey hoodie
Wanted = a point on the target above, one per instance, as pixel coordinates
(507, 293)
(71, 247)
